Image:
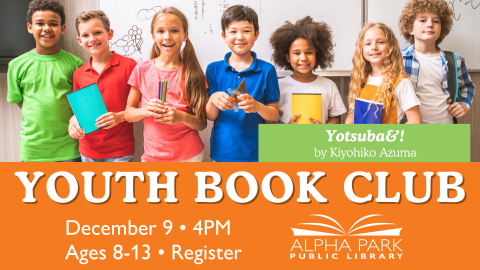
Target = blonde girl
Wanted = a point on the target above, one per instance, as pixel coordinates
(170, 127)
(378, 75)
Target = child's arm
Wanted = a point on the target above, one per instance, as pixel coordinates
(294, 119)
(349, 119)
(334, 120)
(268, 112)
(134, 114)
(218, 101)
(467, 90)
(413, 115)
(457, 110)
(174, 117)
(110, 119)
(74, 129)
(331, 120)
(14, 94)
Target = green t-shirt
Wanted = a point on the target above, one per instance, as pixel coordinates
(42, 82)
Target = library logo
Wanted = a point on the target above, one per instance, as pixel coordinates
(325, 238)
(318, 229)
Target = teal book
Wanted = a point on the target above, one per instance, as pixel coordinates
(87, 105)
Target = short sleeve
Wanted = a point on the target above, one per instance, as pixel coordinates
(210, 81)
(134, 79)
(406, 95)
(133, 64)
(15, 94)
(76, 85)
(79, 62)
(336, 103)
(272, 94)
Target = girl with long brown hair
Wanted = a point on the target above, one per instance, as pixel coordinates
(378, 76)
(171, 122)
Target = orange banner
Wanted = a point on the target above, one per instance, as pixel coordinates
(239, 215)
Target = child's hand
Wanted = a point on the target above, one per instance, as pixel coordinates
(248, 104)
(74, 129)
(222, 101)
(294, 119)
(171, 117)
(109, 120)
(153, 107)
(457, 110)
(314, 121)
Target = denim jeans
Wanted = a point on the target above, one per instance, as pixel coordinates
(115, 159)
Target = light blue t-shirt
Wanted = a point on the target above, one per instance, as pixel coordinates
(235, 134)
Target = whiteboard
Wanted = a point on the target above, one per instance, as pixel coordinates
(464, 38)
(131, 21)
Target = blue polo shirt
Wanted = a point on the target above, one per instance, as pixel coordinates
(235, 134)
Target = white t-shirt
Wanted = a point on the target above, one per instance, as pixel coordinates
(332, 104)
(405, 93)
(434, 106)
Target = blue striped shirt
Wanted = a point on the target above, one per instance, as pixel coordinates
(465, 84)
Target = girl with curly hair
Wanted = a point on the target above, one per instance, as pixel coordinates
(378, 75)
(303, 47)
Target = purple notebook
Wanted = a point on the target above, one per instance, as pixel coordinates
(367, 112)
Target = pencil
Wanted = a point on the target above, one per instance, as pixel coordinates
(159, 89)
(165, 93)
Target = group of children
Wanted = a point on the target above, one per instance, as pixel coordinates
(39, 80)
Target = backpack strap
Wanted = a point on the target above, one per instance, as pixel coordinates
(452, 77)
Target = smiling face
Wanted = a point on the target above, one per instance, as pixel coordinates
(301, 56)
(168, 34)
(375, 47)
(240, 37)
(94, 37)
(46, 28)
(426, 28)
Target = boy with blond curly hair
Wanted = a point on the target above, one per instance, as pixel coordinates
(425, 23)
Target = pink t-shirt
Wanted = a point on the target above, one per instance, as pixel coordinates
(164, 142)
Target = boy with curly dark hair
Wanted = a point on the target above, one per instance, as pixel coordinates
(303, 47)
(38, 82)
(425, 23)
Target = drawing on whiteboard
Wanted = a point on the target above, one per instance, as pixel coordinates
(195, 8)
(139, 60)
(130, 43)
(145, 14)
(210, 27)
(452, 4)
(471, 2)
(203, 8)
(223, 6)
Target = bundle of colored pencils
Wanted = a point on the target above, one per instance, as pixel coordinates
(162, 90)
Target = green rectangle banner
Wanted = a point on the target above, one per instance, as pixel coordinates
(364, 143)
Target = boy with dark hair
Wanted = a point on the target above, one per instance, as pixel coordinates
(425, 23)
(38, 81)
(110, 71)
(235, 133)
